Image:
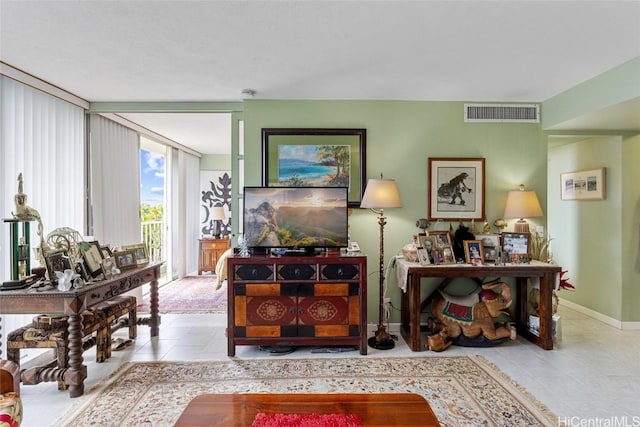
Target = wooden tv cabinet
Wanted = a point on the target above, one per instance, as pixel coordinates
(297, 301)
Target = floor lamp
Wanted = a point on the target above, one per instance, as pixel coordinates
(379, 194)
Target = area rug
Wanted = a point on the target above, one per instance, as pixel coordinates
(191, 294)
(462, 391)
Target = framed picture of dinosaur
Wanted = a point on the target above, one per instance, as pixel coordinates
(456, 189)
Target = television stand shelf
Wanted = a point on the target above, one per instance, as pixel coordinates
(297, 301)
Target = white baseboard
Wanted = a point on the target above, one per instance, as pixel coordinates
(601, 317)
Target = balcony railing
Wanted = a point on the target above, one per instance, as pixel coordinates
(153, 236)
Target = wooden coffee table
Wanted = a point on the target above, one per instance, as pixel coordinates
(239, 410)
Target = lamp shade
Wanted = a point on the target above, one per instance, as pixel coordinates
(522, 204)
(217, 213)
(381, 194)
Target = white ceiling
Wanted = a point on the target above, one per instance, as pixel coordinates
(500, 51)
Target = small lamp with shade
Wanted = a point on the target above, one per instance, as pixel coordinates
(522, 204)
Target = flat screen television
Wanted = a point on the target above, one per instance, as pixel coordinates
(301, 218)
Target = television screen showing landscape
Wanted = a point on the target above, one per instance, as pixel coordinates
(292, 217)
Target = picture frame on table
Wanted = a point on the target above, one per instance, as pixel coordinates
(429, 243)
(140, 249)
(517, 246)
(106, 251)
(443, 237)
(587, 184)
(57, 260)
(315, 157)
(125, 259)
(456, 188)
(473, 252)
(92, 256)
(423, 256)
(107, 267)
(490, 246)
(82, 270)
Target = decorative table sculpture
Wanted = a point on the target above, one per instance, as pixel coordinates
(471, 322)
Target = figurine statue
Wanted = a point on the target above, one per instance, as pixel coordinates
(26, 212)
(23, 211)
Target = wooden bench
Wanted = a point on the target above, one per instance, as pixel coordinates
(52, 332)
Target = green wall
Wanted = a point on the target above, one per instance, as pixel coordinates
(215, 162)
(630, 229)
(587, 234)
(615, 86)
(597, 241)
(401, 136)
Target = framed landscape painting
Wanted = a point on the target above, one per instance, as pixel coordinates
(456, 188)
(315, 158)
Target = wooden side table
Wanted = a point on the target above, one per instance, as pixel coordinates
(209, 251)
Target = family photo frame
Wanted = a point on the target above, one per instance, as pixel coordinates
(473, 252)
(57, 260)
(490, 247)
(517, 246)
(315, 158)
(125, 259)
(456, 188)
(92, 256)
(140, 249)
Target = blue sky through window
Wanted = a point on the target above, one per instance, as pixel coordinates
(152, 173)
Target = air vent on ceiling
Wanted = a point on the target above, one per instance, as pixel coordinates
(501, 113)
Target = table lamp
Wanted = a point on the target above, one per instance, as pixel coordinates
(379, 194)
(217, 215)
(521, 204)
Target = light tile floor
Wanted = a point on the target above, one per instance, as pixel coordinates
(591, 377)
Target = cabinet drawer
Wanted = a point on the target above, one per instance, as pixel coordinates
(340, 272)
(253, 272)
(297, 272)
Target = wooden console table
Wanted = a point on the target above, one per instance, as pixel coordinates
(73, 303)
(412, 302)
(239, 410)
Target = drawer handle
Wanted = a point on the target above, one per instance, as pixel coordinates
(300, 310)
(254, 272)
(340, 272)
(296, 272)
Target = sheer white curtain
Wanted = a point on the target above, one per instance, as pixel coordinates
(185, 216)
(114, 153)
(42, 137)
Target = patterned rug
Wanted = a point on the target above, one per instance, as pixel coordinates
(462, 391)
(191, 294)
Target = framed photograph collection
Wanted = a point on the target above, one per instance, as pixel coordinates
(588, 184)
(437, 248)
(140, 249)
(315, 158)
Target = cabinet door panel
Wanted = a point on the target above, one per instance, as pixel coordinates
(274, 310)
(323, 311)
